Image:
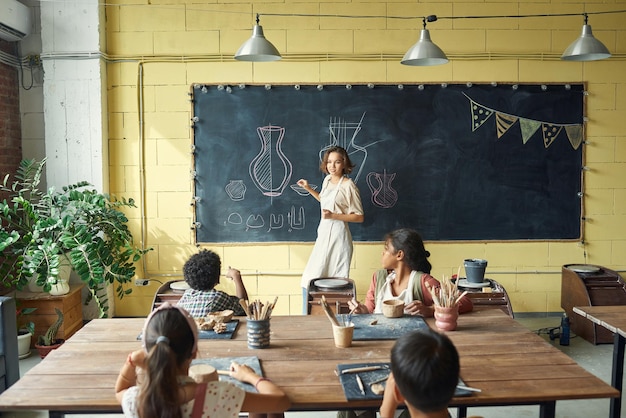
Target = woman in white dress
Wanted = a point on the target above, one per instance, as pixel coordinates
(340, 203)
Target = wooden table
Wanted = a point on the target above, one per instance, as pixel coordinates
(613, 318)
(509, 363)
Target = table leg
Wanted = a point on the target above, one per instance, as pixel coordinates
(617, 374)
(547, 409)
(56, 414)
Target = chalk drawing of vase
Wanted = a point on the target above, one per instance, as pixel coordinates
(343, 134)
(383, 195)
(270, 170)
(236, 190)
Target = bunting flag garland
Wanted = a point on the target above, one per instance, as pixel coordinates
(480, 114)
(550, 132)
(503, 123)
(528, 127)
(575, 135)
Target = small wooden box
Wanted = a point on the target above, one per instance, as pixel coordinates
(45, 315)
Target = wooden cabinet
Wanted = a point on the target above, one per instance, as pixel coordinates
(45, 315)
(337, 298)
(589, 285)
(492, 296)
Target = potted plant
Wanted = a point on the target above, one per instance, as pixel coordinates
(38, 229)
(49, 341)
(25, 331)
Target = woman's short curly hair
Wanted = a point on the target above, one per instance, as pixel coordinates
(202, 270)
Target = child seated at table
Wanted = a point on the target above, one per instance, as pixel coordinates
(406, 276)
(424, 375)
(170, 343)
(202, 273)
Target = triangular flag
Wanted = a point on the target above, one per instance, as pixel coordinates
(575, 135)
(479, 114)
(528, 128)
(504, 122)
(550, 132)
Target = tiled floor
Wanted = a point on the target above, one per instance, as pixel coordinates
(595, 358)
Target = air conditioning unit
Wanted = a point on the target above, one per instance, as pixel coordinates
(15, 20)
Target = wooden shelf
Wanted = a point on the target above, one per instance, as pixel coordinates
(45, 315)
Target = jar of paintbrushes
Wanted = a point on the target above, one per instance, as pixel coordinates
(258, 322)
(446, 300)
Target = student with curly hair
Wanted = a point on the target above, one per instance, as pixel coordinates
(164, 388)
(202, 274)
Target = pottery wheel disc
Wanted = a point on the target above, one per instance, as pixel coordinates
(331, 283)
(582, 268)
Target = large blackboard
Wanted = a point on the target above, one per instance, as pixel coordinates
(455, 162)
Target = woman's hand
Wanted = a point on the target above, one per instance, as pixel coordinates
(357, 307)
(418, 308)
(303, 183)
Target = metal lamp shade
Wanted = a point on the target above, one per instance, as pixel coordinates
(424, 52)
(257, 48)
(586, 48)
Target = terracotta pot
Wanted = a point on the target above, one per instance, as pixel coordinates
(45, 349)
(446, 317)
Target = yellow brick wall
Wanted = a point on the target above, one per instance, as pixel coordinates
(171, 44)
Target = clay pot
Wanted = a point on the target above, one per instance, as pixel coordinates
(220, 316)
(393, 308)
(446, 317)
(202, 373)
(45, 349)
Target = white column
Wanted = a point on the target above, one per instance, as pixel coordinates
(74, 104)
(72, 35)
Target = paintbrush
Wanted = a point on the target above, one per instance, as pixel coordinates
(329, 312)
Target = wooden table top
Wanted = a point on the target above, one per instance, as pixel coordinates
(498, 355)
(612, 318)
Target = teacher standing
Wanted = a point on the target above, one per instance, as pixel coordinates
(340, 203)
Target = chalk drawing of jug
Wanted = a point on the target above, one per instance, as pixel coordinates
(383, 195)
(270, 170)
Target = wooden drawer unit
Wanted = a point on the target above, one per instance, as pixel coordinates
(337, 298)
(589, 285)
(492, 296)
(45, 315)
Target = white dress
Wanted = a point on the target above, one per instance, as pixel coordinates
(332, 252)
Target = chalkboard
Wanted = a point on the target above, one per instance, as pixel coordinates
(455, 162)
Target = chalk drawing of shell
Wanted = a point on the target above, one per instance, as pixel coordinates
(236, 190)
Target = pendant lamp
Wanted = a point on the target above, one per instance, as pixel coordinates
(425, 52)
(586, 47)
(257, 48)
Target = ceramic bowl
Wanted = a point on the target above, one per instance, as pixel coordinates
(393, 308)
(220, 316)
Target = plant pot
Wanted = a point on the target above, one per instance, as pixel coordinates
(62, 286)
(23, 344)
(45, 349)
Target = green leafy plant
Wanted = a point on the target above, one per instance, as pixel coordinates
(25, 325)
(50, 337)
(38, 228)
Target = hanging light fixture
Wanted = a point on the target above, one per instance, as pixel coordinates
(425, 52)
(257, 48)
(586, 47)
